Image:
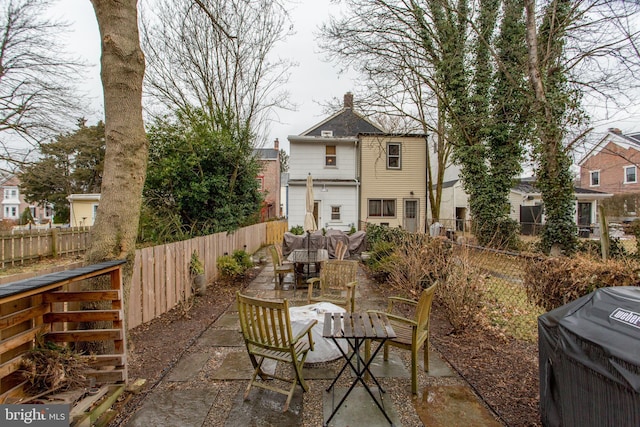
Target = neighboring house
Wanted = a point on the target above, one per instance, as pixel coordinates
(360, 173)
(14, 204)
(611, 165)
(284, 194)
(393, 180)
(83, 209)
(329, 152)
(269, 180)
(454, 205)
(526, 206)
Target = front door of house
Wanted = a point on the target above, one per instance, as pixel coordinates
(411, 215)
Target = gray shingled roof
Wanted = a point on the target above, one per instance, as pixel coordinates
(346, 123)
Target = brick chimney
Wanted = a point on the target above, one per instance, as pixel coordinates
(276, 144)
(615, 130)
(348, 100)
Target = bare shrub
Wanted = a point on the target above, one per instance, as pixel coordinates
(553, 282)
(417, 262)
(49, 367)
(460, 291)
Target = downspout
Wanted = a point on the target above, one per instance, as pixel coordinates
(426, 181)
(357, 161)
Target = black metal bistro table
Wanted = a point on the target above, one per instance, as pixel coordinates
(356, 328)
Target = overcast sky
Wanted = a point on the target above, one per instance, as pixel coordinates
(311, 82)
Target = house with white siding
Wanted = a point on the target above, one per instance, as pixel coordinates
(360, 174)
(526, 207)
(329, 152)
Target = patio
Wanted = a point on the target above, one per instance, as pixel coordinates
(206, 386)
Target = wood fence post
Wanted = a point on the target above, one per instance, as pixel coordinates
(54, 242)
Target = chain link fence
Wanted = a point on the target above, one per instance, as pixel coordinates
(504, 299)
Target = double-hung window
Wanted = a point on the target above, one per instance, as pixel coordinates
(382, 207)
(595, 178)
(630, 175)
(335, 213)
(394, 158)
(330, 155)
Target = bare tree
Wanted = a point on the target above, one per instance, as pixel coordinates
(385, 41)
(114, 234)
(37, 97)
(217, 56)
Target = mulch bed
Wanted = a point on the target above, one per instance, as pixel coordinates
(501, 369)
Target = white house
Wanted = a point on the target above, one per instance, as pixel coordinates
(526, 206)
(329, 152)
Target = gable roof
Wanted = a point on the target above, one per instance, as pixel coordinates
(345, 123)
(9, 180)
(614, 136)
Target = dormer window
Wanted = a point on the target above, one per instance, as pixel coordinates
(326, 133)
(330, 156)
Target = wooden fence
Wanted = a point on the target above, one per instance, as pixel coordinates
(161, 277)
(161, 273)
(32, 245)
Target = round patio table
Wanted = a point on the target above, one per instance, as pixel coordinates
(325, 349)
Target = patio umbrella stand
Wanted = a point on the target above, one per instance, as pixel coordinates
(309, 220)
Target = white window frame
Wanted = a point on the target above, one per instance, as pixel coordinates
(328, 158)
(11, 194)
(394, 156)
(635, 174)
(591, 173)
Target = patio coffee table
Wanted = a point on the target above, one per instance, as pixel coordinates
(356, 328)
(324, 349)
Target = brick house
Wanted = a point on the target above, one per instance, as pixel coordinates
(14, 204)
(269, 180)
(611, 165)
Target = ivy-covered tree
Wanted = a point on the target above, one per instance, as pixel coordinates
(71, 163)
(485, 104)
(201, 177)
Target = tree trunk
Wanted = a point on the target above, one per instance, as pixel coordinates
(114, 233)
